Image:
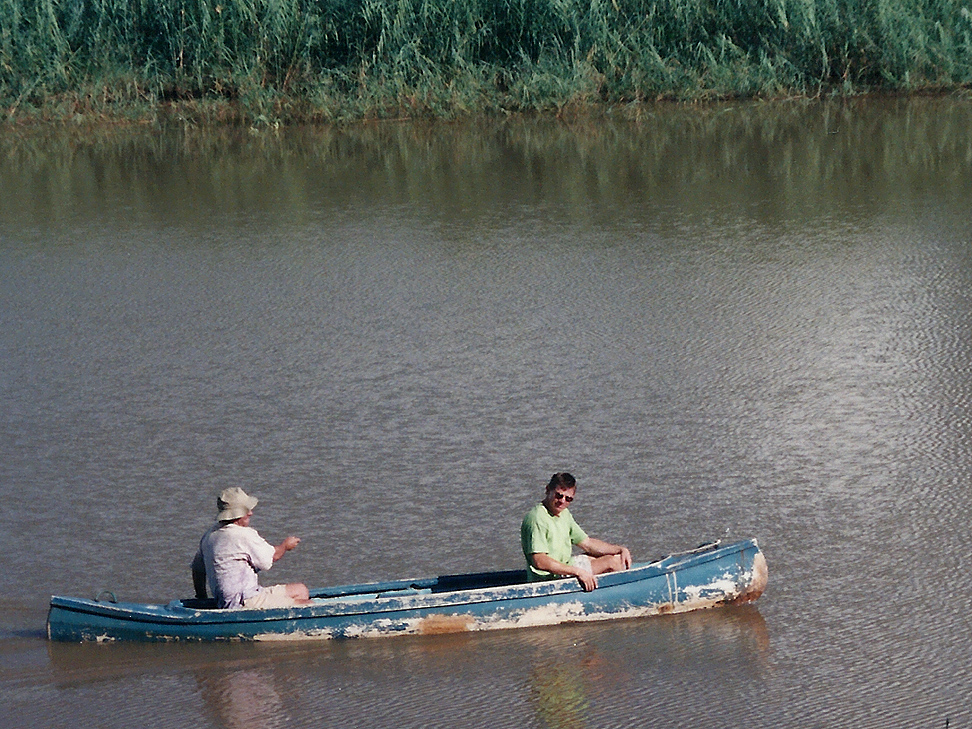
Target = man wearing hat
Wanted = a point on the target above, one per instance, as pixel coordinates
(232, 552)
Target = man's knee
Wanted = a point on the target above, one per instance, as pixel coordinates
(608, 563)
(298, 591)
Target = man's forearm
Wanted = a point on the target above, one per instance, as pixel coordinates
(285, 546)
(548, 564)
(599, 548)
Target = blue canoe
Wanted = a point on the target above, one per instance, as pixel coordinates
(708, 576)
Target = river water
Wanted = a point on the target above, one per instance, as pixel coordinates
(754, 318)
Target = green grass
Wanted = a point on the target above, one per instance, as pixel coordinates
(310, 60)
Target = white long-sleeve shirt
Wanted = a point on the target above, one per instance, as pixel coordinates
(233, 555)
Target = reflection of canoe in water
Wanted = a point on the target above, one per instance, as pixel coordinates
(709, 576)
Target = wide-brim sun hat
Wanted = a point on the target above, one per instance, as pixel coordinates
(234, 503)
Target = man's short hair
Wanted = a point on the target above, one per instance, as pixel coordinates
(562, 480)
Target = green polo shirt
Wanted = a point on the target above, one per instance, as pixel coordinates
(554, 536)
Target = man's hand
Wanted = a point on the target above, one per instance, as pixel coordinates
(285, 546)
(626, 558)
(543, 561)
(587, 579)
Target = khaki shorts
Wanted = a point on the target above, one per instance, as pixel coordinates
(270, 597)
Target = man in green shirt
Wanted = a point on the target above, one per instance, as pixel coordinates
(549, 532)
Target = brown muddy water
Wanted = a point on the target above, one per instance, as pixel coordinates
(748, 317)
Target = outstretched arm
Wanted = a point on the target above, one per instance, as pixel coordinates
(285, 546)
(543, 561)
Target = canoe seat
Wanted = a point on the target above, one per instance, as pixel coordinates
(195, 603)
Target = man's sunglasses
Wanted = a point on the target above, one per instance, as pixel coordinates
(557, 495)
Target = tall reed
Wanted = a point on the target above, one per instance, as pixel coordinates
(327, 59)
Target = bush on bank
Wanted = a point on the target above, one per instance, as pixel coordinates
(311, 60)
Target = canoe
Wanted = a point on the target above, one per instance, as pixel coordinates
(710, 575)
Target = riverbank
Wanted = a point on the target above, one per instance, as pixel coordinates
(257, 62)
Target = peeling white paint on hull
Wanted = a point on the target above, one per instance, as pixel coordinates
(702, 597)
(695, 580)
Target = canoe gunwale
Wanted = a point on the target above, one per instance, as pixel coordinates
(392, 599)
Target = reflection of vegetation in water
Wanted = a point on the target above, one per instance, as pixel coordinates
(559, 695)
(794, 158)
(341, 59)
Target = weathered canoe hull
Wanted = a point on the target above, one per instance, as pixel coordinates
(725, 574)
